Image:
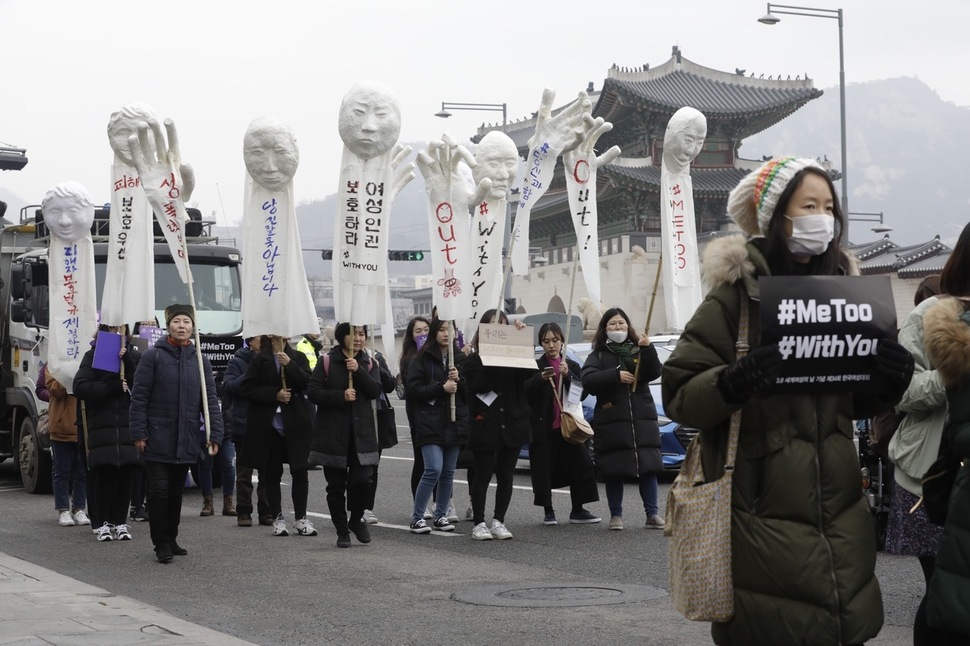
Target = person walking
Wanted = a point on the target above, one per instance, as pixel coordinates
(803, 551)
(554, 462)
(386, 431)
(69, 475)
(166, 409)
(627, 438)
(278, 427)
(105, 400)
(343, 386)
(431, 383)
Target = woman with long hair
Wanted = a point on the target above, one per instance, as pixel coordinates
(627, 438)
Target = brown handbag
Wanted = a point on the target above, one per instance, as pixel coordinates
(574, 428)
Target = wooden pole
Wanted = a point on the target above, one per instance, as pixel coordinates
(646, 328)
(451, 361)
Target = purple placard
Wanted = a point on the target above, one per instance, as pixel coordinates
(106, 350)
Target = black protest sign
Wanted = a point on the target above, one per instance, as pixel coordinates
(827, 329)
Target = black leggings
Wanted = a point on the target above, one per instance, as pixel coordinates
(111, 494)
(502, 464)
(274, 473)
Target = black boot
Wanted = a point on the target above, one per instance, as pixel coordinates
(343, 539)
(359, 528)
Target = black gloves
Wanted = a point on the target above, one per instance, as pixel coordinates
(752, 374)
(895, 362)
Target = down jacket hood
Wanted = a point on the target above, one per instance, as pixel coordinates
(946, 328)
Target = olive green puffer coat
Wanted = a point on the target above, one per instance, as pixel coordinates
(804, 550)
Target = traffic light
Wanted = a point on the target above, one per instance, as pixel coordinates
(405, 255)
(327, 254)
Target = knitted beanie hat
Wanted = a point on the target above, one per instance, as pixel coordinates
(752, 202)
(174, 310)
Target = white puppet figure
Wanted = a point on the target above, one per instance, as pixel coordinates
(497, 163)
(372, 172)
(581, 165)
(69, 211)
(276, 295)
(449, 198)
(680, 266)
(554, 135)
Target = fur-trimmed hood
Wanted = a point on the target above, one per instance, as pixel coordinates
(946, 331)
(732, 258)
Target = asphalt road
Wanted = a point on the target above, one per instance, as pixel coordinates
(401, 588)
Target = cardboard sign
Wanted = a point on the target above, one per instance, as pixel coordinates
(827, 329)
(107, 347)
(504, 345)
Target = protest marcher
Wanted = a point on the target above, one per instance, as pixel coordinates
(415, 337)
(278, 428)
(232, 381)
(627, 437)
(225, 461)
(139, 481)
(430, 385)
(68, 477)
(166, 406)
(803, 552)
(554, 461)
(386, 431)
(499, 423)
(105, 400)
(344, 386)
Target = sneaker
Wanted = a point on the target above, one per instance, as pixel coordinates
(616, 522)
(104, 533)
(360, 530)
(244, 520)
(65, 519)
(303, 527)
(443, 525)
(279, 527)
(122, 533)
(420, 527)
(138, 514)
(469, 515)
(369, 517)
(428, 514)
(499, 531)
(451, 515)
(481, 533)
(583, 517)
(80, 518)
(343, 539)
(655, 522)
(550, 519)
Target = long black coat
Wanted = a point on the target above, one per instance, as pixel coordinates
(232, 380)
(430, 405)
(260, 386)
(554, 461)
(106, 411)
(507, 422)
(341, 425)
(626, 438)
(166, 404)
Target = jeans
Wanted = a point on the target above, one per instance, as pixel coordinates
(166, 482)
(69, 477)
(225, 459)
(502, 464)
(244, 493)
(648, 493)
(439, 470)
(110, 487)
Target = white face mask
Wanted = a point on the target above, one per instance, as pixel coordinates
(617, 336)
(811, 234)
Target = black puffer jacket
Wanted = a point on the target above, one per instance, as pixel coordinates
(342, 425)
(507, 422)
(105, 411)
(431, 405)
(232, 383)
(626, 442)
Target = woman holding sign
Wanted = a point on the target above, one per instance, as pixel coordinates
(803, 552)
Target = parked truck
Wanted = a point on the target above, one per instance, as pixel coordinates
(25, 313)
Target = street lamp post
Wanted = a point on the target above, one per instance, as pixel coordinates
(771, 18)
(875, 218)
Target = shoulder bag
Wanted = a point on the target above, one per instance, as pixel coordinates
(699, 524)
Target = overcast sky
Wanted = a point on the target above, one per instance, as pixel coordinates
(215, 65)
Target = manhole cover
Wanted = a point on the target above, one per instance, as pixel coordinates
(556, 595)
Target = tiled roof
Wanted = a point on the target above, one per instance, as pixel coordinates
(901, 258)
(927, 266)
(709, 181)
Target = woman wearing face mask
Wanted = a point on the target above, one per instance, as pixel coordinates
(414, 338)
(803, 553)
(627, 440)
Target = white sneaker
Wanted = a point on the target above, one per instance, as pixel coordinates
(80, 518)
(121, 533)
(469, 515)
(451, 515)
(65, 519)
(104, 533)
(499, 531)
(428, 514)
(303, 527)
(279, 527)
(369, 518)
(481, 533)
